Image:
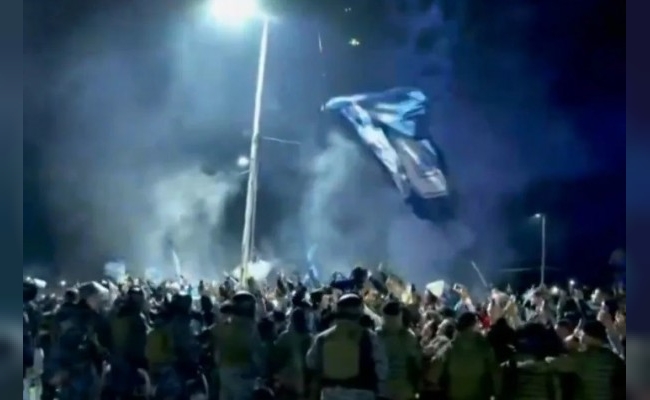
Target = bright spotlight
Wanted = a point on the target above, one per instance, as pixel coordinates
(234, 12)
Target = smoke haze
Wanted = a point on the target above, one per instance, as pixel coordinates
(150, 119)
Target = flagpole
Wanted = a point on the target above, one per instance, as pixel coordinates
(251, 187)
(543, 255)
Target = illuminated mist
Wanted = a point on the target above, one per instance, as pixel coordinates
(151, 120)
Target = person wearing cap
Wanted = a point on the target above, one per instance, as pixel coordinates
(77, 355)
(600, 372)
(348, 361)
(403, 353)
(468, 368)
(238, 348)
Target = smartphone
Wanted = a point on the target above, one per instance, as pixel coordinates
(457, 286)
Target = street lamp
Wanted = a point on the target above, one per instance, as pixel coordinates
(542, 266)
(233, 12)
(236, 13)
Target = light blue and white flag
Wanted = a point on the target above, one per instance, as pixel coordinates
(312, 277)
(386, 122)
(115, 270)
(155, 275)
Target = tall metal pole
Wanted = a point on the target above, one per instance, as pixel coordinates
(543, 256)
(251, 187)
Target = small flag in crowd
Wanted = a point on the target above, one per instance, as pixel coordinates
(115, 270)
(312, 278)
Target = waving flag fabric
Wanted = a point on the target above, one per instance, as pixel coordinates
(386, 122)
(312, 277)
(115, 270)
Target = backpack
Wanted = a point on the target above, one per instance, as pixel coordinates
(398, 338)
(159, 347)
(121, 330)
(343, 356)
(445, 378)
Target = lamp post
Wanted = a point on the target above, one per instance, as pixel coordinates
(237, 12)
(542, 266)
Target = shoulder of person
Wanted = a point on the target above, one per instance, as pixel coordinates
(380, 331)
(409, 333)
(283, 336)
(371, 332)
(327, 332)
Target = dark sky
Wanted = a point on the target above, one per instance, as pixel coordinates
(547, 78)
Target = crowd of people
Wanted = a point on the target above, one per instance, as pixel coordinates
(369, 335)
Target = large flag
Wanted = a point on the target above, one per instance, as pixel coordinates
(386, 123)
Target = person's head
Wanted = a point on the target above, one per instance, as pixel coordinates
(531, 339)
(226, 309)
(206, 303)
(316, 298)
(600, 295)
(136, 297)
(367, 322)
(244, 304)
(392, 312)
(466, 322)
(494, 309)
(349, 307)
(279, 320)
(427, 331)
(181, 303)
(447, 312)
(71, 296)
(430, 300)
(93, 294)
(30, 290)
(539, 296)
(564, 328)
(594, 334)
(359, 275)
(446, 328)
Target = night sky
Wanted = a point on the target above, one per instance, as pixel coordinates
(547, 78)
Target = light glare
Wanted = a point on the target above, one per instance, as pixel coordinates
(243, 162)
(233, 12)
